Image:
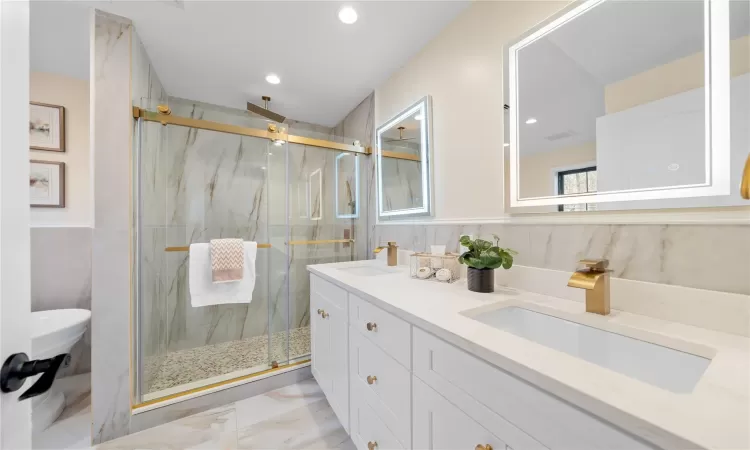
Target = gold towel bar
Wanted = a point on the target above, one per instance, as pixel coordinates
(185, 249)
(327, 241)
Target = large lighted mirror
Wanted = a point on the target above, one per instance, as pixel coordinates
(614, 101)
(403, 163)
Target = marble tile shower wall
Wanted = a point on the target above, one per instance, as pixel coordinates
(123, 75)
(698, 256)
(198, 185)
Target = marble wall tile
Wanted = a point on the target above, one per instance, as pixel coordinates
(61, 278)
(698, 256)
(111, 239)
(110, 349)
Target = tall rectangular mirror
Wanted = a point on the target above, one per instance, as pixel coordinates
(615, 101)
(403, 163)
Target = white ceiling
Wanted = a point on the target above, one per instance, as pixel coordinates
(59, 38)
(220, 51)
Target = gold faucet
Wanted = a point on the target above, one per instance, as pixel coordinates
(392, 253)
(595, 279)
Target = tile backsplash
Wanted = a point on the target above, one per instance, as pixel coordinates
(713, 257)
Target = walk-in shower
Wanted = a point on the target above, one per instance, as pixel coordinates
(203, 172)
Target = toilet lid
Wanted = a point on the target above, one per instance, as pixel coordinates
(48, 322)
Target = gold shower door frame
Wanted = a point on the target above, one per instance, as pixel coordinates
(166, 118)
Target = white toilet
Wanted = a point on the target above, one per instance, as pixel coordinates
(52, 333)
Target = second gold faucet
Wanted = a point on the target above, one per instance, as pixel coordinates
(392, 253)
(594, 278)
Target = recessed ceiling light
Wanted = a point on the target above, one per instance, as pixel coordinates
(530, 120)
(348, 15)
(418, 117)
(273, 78)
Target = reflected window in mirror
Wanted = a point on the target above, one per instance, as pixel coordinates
(347, 186)
(576, 181)
(623, 84)
(403, 158)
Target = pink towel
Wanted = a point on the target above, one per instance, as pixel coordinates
(227, 260)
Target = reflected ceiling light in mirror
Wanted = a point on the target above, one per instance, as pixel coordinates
(673, 167)
(530, 121)
(348, 15)
(506, 145)
(273, 78)
(418, 117)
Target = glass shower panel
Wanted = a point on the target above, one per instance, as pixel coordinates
(321, 230)
(197, 185)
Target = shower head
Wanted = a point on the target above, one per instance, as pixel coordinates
(264, 111)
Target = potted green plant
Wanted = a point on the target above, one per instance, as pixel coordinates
(482, 258)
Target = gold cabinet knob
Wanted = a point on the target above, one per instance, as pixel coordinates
(325, 315)
(371, 379)
(372, 445)
(371, 326)
(320, 311)
(483, 447)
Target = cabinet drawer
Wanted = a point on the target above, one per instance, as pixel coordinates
(476, 386)
(329, 291)
(389, 394)
(439, 425)
(385, 330)
(366, 426)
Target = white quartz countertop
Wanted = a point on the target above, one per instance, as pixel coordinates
(715, 415)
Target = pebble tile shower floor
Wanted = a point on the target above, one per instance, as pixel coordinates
(200, 363)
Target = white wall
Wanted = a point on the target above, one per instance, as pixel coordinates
(462, 69)
(73, 94)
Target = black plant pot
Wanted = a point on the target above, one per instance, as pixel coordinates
(481, 280)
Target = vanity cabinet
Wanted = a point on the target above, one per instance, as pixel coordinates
(405, 388)
(329, 344)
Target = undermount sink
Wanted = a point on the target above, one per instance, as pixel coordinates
(367, 270)
(654, 364)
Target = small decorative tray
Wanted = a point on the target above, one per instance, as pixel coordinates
(442, 268)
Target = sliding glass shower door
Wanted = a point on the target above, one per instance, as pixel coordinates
(195, 181)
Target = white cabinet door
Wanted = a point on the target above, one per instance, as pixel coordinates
(329, 345)
(440, 425)
(338, 362)
(319, 340)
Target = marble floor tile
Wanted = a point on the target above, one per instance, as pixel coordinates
(293, 417)
(214, 429)
(314, 424)
(72, 430)
(276, 403)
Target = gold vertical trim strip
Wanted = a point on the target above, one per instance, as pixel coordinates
(745, 183)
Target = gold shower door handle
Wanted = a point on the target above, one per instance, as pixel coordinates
(372, 326)
(483, 447)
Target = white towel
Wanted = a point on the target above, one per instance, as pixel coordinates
(204, 292)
